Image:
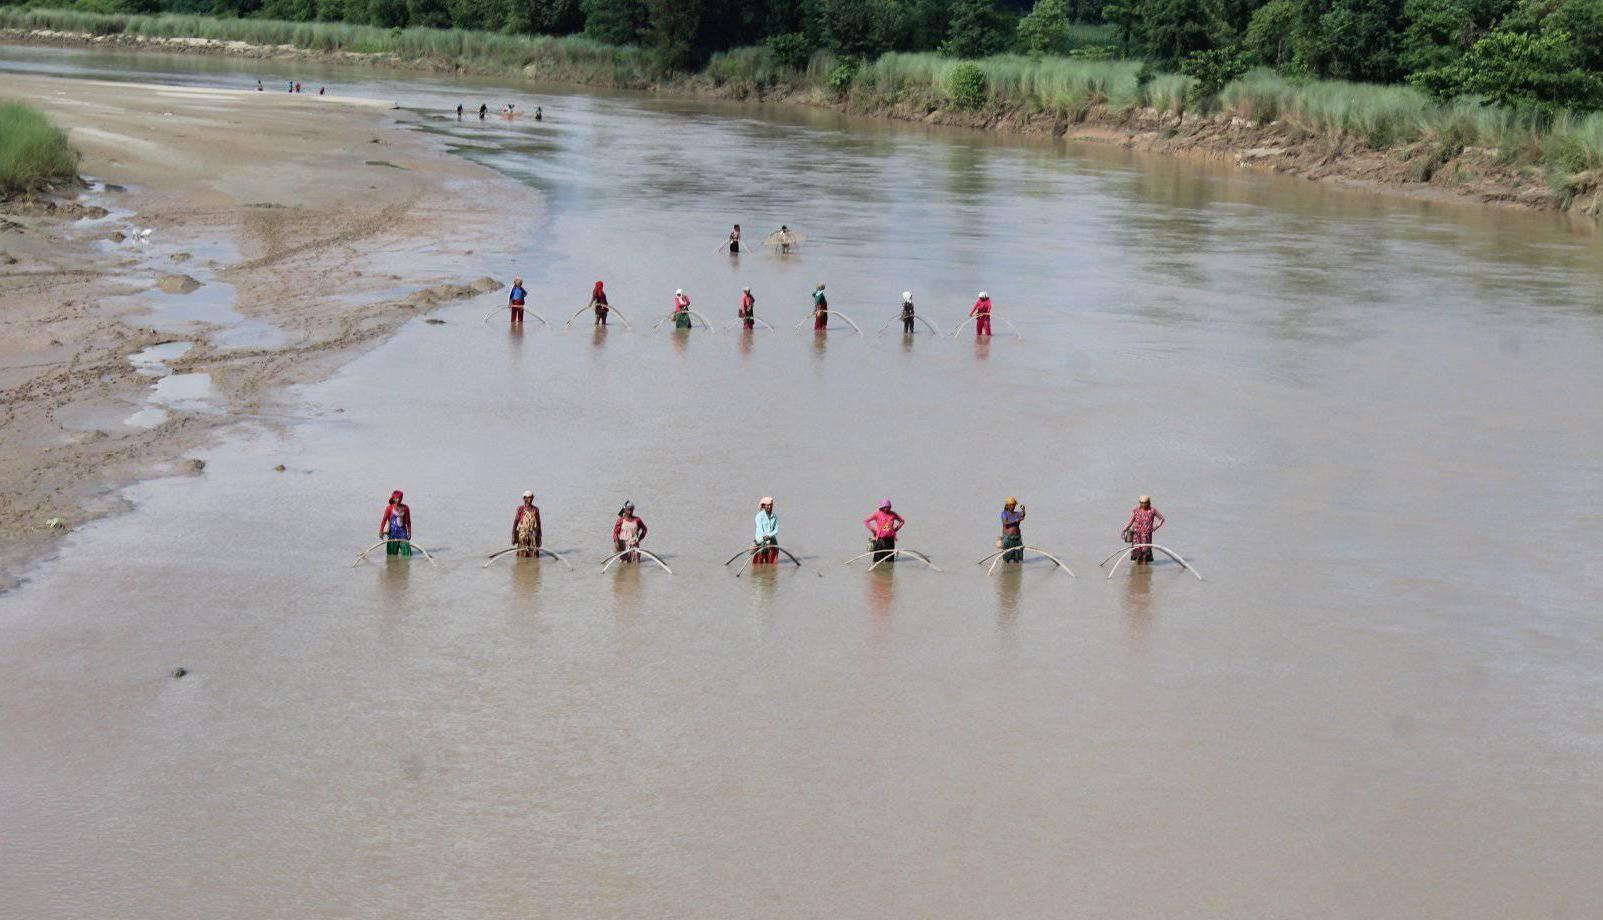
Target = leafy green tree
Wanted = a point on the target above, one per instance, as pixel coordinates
(791, 49)
(1046, 29)
(1175, 29)
(543, 17)
(672, 30)
(1211, 69)
(1583, 21)
(1540, 73)
(1438, 32)
(973, 30)
(433, 14)
(1273, 32)
(861, 28)
(616, 22)
(1353, 39)
(386, 14)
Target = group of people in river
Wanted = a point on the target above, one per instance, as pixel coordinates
(508, 111)
(682, 311)
(884, 527)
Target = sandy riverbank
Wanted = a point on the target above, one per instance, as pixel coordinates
(314, 228)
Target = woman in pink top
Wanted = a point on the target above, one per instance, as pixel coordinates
(883, 526)
(982, 315)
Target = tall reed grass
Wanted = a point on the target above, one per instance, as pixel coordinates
(32, 150)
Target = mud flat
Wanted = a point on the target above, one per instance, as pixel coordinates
(279, 236)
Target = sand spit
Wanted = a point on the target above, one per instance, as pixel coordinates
(297, 255)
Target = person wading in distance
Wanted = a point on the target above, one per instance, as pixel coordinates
(883, 526)
(526, 531)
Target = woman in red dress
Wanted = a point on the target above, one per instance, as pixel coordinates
(1144, 522)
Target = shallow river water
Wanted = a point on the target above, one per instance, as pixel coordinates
(1373, 425)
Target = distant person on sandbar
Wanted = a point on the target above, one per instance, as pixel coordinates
(539, 113)
(484, 109)
(598, 302)
(396, 526)
(459, 111)
(515, 299)
(258, 86)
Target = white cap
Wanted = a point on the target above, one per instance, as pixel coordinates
(528, 494)
(907, 295)
(984, 296)
(678, 291)
(767, 500)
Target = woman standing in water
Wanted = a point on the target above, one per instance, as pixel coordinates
(883, 526)
(909, 313)
(982, 315)
(681, 310)
(526, 531)
(598, 302)
(396, 526)
(766, 535)
(748, 308)
(628, 532)
(1144, 522)
(820, 309)
(1012, 531)
(734, 241)
(515, 300)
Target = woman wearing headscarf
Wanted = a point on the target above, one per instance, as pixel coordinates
(515, 300)
(883, 526)
(598, 302)
(1144, 522)
(681, 310)
(1012, 531)
(628, 532)
(982, 315)
(820, 309)
(908, 313)
(526, 530)
(734, 241)
(748, 308)
(396, 526)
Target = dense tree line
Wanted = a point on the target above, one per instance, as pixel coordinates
(1541, 55)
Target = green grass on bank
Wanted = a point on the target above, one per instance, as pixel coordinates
(1379, 116)
(569, 58)
(32, 150)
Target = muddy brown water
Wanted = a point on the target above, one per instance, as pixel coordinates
(1373, 425)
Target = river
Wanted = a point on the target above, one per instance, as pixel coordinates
(1371, 422)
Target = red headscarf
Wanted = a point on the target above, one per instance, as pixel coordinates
(395, 496)
(596, 294)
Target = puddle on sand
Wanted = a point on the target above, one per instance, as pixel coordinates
(171, 392)
(185, 392)
(152, 362)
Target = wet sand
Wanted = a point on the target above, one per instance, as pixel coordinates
(313, 226)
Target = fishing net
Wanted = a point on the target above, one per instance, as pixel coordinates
(781, 239)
